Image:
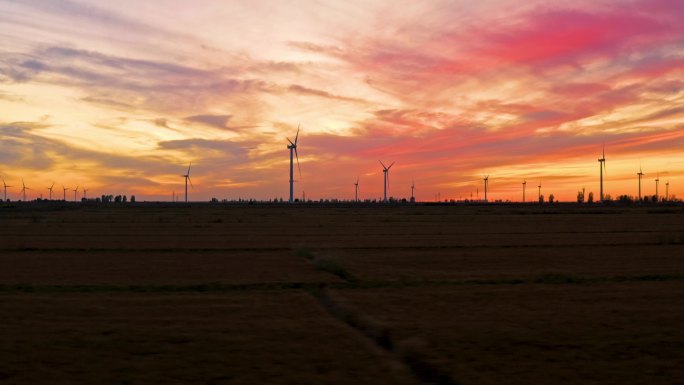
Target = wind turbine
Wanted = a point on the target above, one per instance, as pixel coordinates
(85, 193)
(486, 180)
(75, 191)
(413, 187)
(385, 186)
(524, 183)
(293, 149)
(23, 189)
(667, 191)
(356, 188)
(64, 192)
(640, 174)
(187, 179)
(657, 180)
(539, 197)
(50, 189)
(6, 186)
(602, 167)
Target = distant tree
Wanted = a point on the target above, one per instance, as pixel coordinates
(541, 199)
(654, 199)
(551, 198)
(124, 199)
(132, 198)
(580, 197)
(117, 199)
(590, 199)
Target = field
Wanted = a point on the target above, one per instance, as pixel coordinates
(341, 294)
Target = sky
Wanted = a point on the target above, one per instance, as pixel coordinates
(120, 97)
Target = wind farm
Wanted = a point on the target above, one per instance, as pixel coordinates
(193, 245)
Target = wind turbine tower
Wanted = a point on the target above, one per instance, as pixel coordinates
(6, 186)
(539, 196)
(356, 190)
(657, 180)
(50, 189)
(293, 149)
(385, 171)
(413, 187)
(602, 167)
(524, 183)
(187, 179)
(486, 180)
(667, 190)
(75, 191)
(85, 193)
(640, 174)
(23, 189)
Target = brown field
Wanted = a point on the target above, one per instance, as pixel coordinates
(337, 294)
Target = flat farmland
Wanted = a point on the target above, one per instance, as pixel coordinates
(310, 294)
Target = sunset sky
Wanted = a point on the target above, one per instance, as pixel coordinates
(120, 96)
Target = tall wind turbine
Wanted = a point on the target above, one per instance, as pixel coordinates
(539, 196)
(640, 174)
(50, 189)
(64, 192)
(293, 149)
(187, 179)
(486, 180)
(657, 180)
(413, 187)
(356, 188)
(667, 191)
(524, 183)
(385, 171)
(602, 167)
(75, 191)
(6, 186)
(85, 193)
(23, 189)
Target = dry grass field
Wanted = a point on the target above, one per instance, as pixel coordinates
(341, 294)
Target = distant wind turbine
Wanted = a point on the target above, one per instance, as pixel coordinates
(23, 189)
(657, 180)
(187, 179)
(539, 197)
(602, 167)
(413, 187)
(640, 174)
(6, 186)
(85, 193)
(64, 192)
(524, 183)
(486, 182)
(293, 149)
(75, 191)
(50, 189)
(667, 191)
(356, 189)
(385, 186)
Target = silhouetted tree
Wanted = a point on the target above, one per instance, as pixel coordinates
(541, 199)
(580, 197)
(551, 198)
(132, 198)
(591, 198)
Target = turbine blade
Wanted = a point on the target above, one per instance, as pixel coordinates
(297, 136)
(190, 180)
(390, 166)
(383, 165)
(298, 167)
(189, 168)
(288, 139)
